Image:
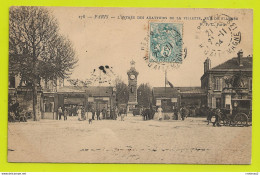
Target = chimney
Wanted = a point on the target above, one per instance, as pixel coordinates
(207, 65)
(239, 57)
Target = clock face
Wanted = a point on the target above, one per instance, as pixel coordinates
(132, 77)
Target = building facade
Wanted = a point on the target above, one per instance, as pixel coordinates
(229, 84)
(174, 98)
(91, 97)
(20, 92)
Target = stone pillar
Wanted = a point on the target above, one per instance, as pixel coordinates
(39, 106)
(228, 100)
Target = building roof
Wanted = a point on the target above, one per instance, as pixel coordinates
(167, 92)
(173, 92)
(186, 89)
(196, 90)
(91, 90)
(233, 64)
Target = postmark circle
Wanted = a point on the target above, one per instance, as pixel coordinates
(219, 34)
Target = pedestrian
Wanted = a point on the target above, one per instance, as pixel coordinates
(98, 114)
(175, 114)
(104, 111)
(210, 114)
(108, 113)
(79, 113)
(69, 110)
(93, 113)
(217, 114)
(76, 108)
(160, 115)
(184, 112)
(113, 114)
(11, 116)
(65, 114)
(116, 112)
(123, 114)
(119, 111)
(59, 113)
(83, 113)
(86, 113)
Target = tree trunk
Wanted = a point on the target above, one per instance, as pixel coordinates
(34, 93)
(34, 81)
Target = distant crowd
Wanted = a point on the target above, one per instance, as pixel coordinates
(216, 116)
(93, 113)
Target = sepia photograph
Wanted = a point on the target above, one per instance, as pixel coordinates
(130, 85)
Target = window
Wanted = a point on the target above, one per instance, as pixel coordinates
(48, 107)
(221, 84)
(217, 84)
(218, 102)
(224, 84)
(250, 84)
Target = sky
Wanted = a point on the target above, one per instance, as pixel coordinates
(116, 41)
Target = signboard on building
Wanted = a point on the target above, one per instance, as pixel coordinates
(106, 98)
(74, 101)
(90, 99)
(174, 100)
(158, 102)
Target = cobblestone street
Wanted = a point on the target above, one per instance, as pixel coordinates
(130, 141)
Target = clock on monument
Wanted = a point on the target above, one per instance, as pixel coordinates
(132, 77)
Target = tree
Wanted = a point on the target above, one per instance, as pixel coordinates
(59, 59)
(36, 50)
(144, 92)
(122, 92)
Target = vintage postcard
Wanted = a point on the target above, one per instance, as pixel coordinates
(130, 85)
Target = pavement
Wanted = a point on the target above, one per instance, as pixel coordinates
(130, 141)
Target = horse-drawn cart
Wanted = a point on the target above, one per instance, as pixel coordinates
(240, 115)
(237, 117)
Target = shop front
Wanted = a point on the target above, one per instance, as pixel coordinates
(87, 98)
(166, 98)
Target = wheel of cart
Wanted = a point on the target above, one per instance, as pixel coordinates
(240, 119)
(250, 118)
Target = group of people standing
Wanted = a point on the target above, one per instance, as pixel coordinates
(65, 112)
(96, 113)
(83, 114)
(109, 113)
(178, 114)
(62, 112)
